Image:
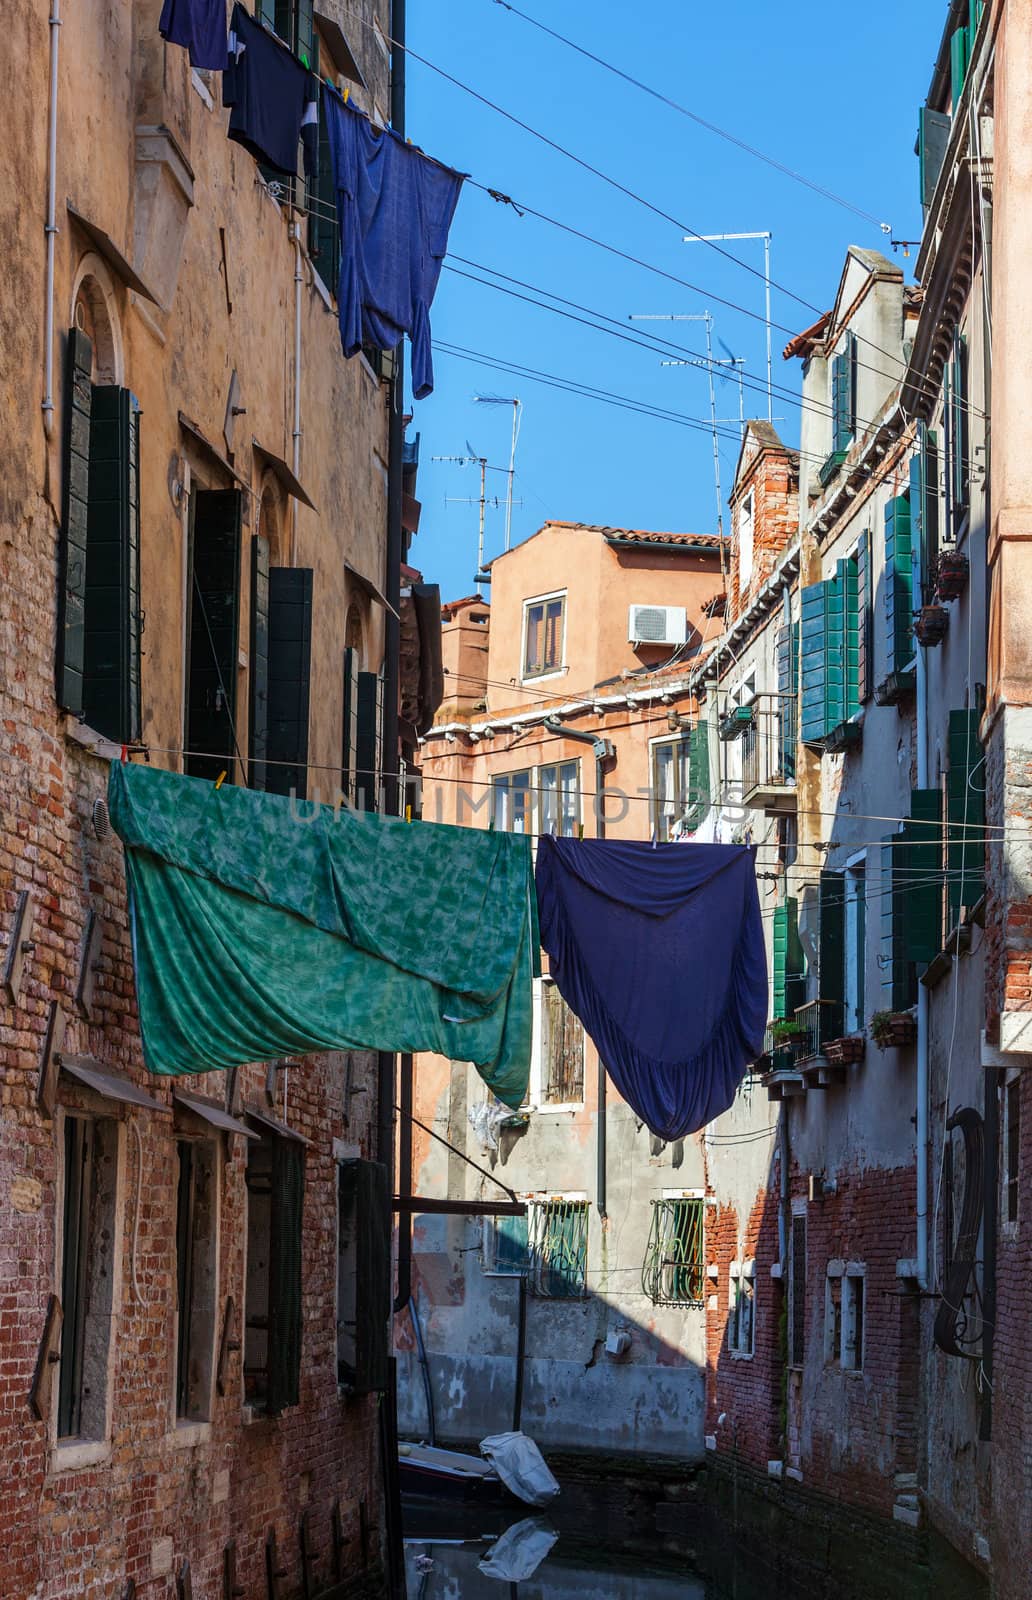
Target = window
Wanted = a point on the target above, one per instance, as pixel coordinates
(745, 543)
(558, 1245)
(898, 583)
(363, 1276)
(213, 604)
(505, 1250)
(843, 407)
(281, 669)
(680, 783)
(272, 1304)
(830, 629)
(196, 1276)
(562, 1050)
(856, 945)
(741, 1308)
(844, 1316)
(797, 1291)
(292, 20)
(89, 1252)
(544, 626)
(789, 965)
(511, 802)
(98, 657)
(1011, 1149)
(674, 1270)
(559, 790)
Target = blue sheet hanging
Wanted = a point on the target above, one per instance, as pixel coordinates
(659, 950)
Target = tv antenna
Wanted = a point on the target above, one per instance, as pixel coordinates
(517, 415)
(711, 238)
(473, 459)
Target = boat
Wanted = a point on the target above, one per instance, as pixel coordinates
(429, 1469)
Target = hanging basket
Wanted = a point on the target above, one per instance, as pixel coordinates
(930, 625)
(951, 575)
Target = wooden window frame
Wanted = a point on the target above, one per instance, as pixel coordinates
(547, 668)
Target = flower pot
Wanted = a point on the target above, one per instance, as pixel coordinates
(895, 1032)
(930, 625)
(844, 1052)
(951, 575)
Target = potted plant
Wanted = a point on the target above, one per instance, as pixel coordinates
(951, 574)
(893, 1029)
(786, 1030)
(930, 625)
(845, 1051)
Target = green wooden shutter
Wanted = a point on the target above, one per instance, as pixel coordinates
(266, 11)
(835, 650)
(865, 620)
(921, 888)
(290, 671)
(259, 718)
(813, 653)
(214, 618)
(924, 505)
(788, 691)
(697, 799)
(899, 583)
(841, 386)
(71, 620)
(111, 652)
(933, 135)
(780, 960)
(348, 755)
(367, 742)
(848, 578)
(832, 949)
(960, 45)
(965, 815)
(288, 1184)
(788, 963)
(959, 446)
(898, 977)
(364, 1192)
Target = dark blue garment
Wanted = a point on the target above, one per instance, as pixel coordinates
(659, 951)
(274, 98)
(200, 27)
(395, 207)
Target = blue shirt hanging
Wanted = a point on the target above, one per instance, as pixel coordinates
(395, 207)
(274, 99)
(200, 27)
(659, 950)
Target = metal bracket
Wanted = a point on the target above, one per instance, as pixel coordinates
(89, 965)
(46, 1361)
(20, 945)
(49, 1063)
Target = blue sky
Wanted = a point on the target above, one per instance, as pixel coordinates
(836, 100)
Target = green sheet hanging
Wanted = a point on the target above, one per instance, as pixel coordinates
(264, 927)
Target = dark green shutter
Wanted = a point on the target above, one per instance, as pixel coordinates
(832, 950)
(323, 227)
(788, 690)
(933, 135)
(788, 964)
(898, 976)
(813, 652)
(780, 959)
(921, 884)
(899, 583)
(288, 1183)
(214, 613)
(259, 722)
(848, 576)
(71, 618)
(840, 393)
(965, 815)
(111, 652)
(348, 757)
(865, 620)
(364, 1192)
(924, 505)
(266, 11)
(960, 44)
(835, 650)
(959, 446)
(367, 742)
(290, 669)
(697, 799)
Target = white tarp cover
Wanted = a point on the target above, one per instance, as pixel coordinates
(520, 1550)
(521, 1467)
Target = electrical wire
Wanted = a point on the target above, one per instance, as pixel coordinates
(711, 127)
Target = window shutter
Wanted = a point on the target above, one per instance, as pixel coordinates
(933, 135)
(832, 950)
(864, 620)
(304, 41)
(288, 1182)
(214, 606)
(959, 466)
(259, 729)
(959, 47)
(290, 668)
(364, 1190)
(111, 652)
(848, 576)
(812, 720)
(965, 815)
(323, 227)
(924, 504)
(835, 650)
(788, 691)
(841, 431)
(349, 737)
(697, 799)
(367, 741)
(899, 583)
(780, 960)
(71, 621)
(921, 886)
(898, 981)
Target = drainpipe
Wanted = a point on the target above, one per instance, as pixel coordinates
(51, 224)
(922, 992)
(604, 752)
(299, 278)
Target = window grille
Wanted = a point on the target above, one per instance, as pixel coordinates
(674, 1270)
(741, 1320)
(558, 1233)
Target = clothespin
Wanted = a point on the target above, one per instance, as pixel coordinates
(125, 754)
(347, 93)
(220, 780)
(408, 813)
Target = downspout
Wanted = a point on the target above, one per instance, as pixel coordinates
(922, 990)
(51, 224)
(604, 752)
(299, 278)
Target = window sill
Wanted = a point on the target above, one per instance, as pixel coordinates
(186, 1435)
(1009, 1231)
(567, 1105)
(742, 1355)
(544, 677)
(78, 1453)
(98, 744)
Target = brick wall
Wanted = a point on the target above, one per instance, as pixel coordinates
(772, 475)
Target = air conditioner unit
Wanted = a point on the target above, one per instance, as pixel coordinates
(657, 625)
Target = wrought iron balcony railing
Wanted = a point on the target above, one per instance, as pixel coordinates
(768, 761)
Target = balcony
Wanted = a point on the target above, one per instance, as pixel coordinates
(821, 1021)
(768, 763)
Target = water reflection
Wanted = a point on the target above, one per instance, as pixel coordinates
(489, 1568)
